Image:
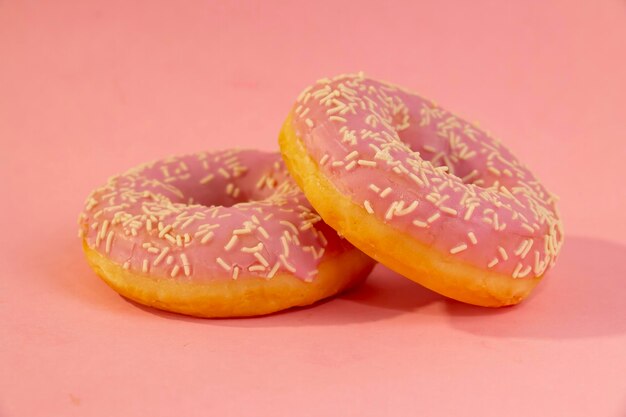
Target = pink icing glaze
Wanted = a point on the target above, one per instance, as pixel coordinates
(207, 216)
(423, 170)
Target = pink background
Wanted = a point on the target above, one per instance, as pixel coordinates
(90, 88)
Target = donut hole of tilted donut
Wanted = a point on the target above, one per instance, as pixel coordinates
(225, 187)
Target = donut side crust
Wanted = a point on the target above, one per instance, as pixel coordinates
(246, 296)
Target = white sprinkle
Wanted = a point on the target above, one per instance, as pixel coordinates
(169, 260)
(524, 272)
(154, 250)
(103, 231)
(287, 265)
(149, 225)
(448, 210)
(469, 176)
(374, 188)
(289, 225)
(324, 159)
(385, 192)
(126, 265)
(207, 237)
(416, 179)
(517, 269)
(468, 213)
(206, 179)
(261, 259)
(144, 266)
(406, 210)
(273, 270)
(322, 238)
(223, 173)
(109, 241)
(263, 232)
(366, 163)
(527, 249)
(433, 217)
(351, 155)
(252, 249)
(459, 248)
(351, 166)
(493, 263)
(432, 198)
(161, 256)
(336, 163)
(285, 245)
(419, 223)
(256, 268)
(390, 211)
(231, 243)
(175, 270)
(165, 230)
(472, 237)
(223, 264)
(235, 272)
(337, 119)
(368, 207)
(309, 122)
(503, 254)
(521, 247)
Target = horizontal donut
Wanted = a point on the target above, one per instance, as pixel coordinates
(421, 190)
(215, 234)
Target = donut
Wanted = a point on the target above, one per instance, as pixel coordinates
(215, 234)
(430, 195)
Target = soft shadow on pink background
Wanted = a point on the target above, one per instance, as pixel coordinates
(88, 89)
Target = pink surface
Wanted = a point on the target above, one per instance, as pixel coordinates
(88, 89)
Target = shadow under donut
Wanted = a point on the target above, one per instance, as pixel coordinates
(583, 296)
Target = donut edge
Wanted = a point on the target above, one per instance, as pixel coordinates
(435, 270)
(245, 297)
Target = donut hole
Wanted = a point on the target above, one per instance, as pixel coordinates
(438, 150)
(217, 185)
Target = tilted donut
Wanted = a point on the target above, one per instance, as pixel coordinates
(421, 190)
(215, 235)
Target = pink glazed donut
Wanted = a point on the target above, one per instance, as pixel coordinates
(421, 190)
(215, 235)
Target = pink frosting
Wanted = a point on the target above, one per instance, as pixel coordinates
(427, 172)
(206, 216)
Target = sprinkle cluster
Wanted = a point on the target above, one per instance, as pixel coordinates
(206, 216)
(430, 173)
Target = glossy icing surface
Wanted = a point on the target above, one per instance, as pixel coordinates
(205, 216)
